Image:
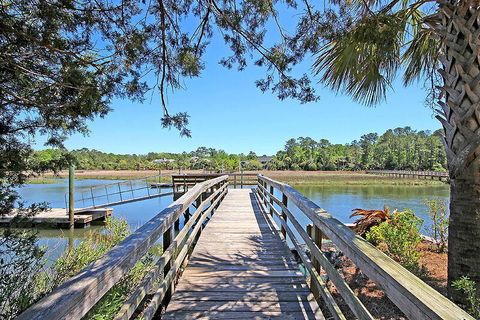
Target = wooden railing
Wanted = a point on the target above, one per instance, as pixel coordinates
(74, 298)
(182, 182)
(412, 296)
(409, 173)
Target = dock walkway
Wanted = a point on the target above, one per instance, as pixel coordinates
(241, 268)
(225, 257)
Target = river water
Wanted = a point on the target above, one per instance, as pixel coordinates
(338, 200)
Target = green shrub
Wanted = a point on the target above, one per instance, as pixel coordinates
(112, 301)
(21, 259)
(399, 238)
(469, 288)
(94, 246)
(437, 210)
(23, 280)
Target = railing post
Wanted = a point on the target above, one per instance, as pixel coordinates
(131, 189)
(284, 214)
(93, 198)
(271, 200)
(234, 181)
(186, 215)
(316, 236)
(168, 237)
(120, 191)
(262, 191)
(71, 196)
(106, 193)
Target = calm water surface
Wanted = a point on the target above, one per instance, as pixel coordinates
(340, 200)
(56, 240)
(337, 200)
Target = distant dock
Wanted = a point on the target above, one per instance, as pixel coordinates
(58, 217)
(161, 185)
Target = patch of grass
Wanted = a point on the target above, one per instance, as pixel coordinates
(96, 244)
(43, 181)
(352, 179)
(290, 177)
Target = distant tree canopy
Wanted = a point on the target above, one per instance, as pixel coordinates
(400, 148)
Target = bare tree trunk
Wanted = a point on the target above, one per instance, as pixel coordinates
(460, 117)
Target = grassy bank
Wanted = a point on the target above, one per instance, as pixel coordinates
(290, 177)
(43, 180)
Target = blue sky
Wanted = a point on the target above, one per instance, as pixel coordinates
(228, 112)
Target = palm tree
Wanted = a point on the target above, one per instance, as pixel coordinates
(369, 219)
(437, 41)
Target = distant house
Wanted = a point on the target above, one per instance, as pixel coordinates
(264, 160)
(163, 160)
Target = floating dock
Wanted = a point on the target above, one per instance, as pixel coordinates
(59, 217)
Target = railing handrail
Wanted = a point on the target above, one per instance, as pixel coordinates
(411, 172)
(411, 295)
(91, 198)
(74, 298)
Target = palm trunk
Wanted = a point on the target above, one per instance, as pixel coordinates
(460, 117)
(464, 229)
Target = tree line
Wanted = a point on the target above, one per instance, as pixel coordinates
(399, 148)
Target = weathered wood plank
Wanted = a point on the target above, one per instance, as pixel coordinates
(264, 287)
(187, 315)
(241, 268)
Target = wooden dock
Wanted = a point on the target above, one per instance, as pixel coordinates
(59, 217)
(228, 259)
(241, 268)
(441, 176)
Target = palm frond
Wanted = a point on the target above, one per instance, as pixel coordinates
(421, 57)
(364, 62)
(369, 218)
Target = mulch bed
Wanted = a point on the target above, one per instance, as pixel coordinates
(372, 296)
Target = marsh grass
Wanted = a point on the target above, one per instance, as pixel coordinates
(96, 244)
(288, 176)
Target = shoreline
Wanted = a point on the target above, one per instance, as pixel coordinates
(294, 178)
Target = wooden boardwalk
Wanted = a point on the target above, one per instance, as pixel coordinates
(59, 217)
(242, 269)
(240, 266)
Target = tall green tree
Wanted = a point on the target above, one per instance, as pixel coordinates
(63, 61)
(382, 38)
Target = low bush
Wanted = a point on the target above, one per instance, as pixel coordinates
(399, 237)
(468, 287)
